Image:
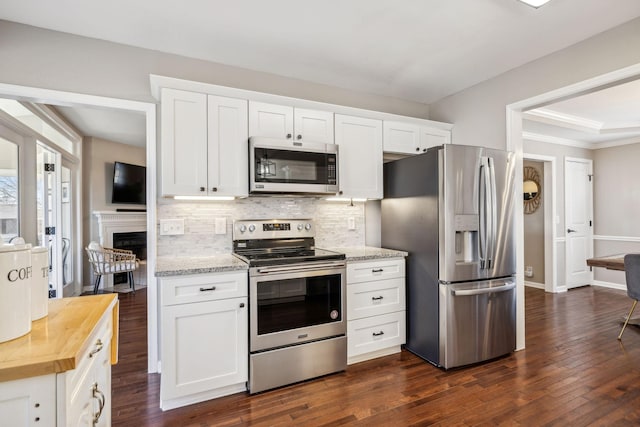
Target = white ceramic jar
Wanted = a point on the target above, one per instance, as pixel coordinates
(39, 282)
(15, 290)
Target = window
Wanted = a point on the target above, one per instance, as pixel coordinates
(9, 201)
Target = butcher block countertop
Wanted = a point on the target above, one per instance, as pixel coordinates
(57, 341)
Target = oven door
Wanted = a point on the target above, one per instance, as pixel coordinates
(292, 167)
(292, 304)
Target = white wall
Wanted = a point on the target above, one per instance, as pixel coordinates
(42, 58)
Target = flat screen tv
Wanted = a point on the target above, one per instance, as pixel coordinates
(129, 184)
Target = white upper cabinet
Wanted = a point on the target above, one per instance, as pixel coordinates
(360, 156)
(286, 122)
(183, 142)
(203, 145)
(228, 149)
(408, 138)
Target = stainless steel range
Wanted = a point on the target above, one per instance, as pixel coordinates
(297, 307)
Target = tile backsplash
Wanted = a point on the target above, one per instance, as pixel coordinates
(199, 238)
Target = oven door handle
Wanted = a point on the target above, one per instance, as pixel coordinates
(296, 268)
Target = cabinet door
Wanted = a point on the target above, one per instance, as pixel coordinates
(313, 126)
(360, 156)
(228, 150)
(183, 143)
(204, 347)
(270, 120)
(28, 402)
(403, 138)
(431, 137)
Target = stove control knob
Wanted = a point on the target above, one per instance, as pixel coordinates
(252, 228)
(243, 228)
(307, 226)
(300, 227)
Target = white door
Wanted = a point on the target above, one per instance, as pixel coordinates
(270, 120)
(313, 126)
(578, 210)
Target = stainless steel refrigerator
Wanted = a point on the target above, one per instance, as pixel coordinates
(452, 209)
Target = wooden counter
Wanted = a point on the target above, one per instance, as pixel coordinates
(611, 262)
(57, 341)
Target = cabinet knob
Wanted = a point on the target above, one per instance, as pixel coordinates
(424, 150)
(417, 148)
(289, 136)
(241, 305)
(299, 137)
(214, 189)
(340, 192)
(202, 189)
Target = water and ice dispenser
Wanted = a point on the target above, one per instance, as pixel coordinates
(466, 227)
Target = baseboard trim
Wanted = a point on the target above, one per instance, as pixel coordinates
(617, 238)
(609, 285)
(534, 285)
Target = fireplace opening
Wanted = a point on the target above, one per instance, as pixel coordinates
(135, 241)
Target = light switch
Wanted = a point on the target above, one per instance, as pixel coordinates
(171, 227)
(221, 226)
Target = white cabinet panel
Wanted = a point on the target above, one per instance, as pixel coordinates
(183, 143)
(360, 156)
(29, 402)
(408, 138)
(375, 298)
(313, 126)
(227, 148)
(366, 271)
(270, 120)
(202, 287)
(204, 346)
(375, 333)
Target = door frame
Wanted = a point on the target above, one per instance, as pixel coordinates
(550, 212)
(589, 162)
(49, 96)
(514, 143)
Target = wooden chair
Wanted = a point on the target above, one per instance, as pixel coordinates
(111, 261)
(632, 272)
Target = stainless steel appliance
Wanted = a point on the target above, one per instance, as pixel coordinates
(452, 209)
(292, 167)
(297, 322)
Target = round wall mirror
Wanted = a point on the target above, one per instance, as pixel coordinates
(531, 189)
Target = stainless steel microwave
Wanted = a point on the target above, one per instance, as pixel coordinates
(292, 167)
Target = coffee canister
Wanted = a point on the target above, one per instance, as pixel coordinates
(15, 290)
(39, 282)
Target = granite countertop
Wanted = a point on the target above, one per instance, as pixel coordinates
(178, 266)
(363, 253)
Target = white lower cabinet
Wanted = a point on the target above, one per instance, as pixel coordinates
(204, 344)
(29, 402)
(376, 318)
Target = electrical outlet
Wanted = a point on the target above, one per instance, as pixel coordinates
(221, 226)
(351, 223)
(171, 227)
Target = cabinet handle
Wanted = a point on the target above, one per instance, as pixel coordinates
(377, 298)
(241, 305)
(377, 334)
(424, 150)
(101, 402)
(214, 189)
(299, 137)
(340, 192)
(417, 148)
(377, 270)
(99, 346)
(213, 288)
(289, 136)
(202, 189)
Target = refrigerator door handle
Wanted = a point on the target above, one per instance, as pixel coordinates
(484, 208)
(471, 292)
(493, 217)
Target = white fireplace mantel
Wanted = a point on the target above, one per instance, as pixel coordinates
(110, 222)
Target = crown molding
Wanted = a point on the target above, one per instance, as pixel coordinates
(569, 121)
(538, 137)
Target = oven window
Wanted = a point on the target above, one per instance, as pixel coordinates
(298, 303)
(299, 167)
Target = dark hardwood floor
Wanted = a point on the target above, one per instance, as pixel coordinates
(574, 372)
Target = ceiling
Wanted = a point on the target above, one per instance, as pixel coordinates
(418, 50)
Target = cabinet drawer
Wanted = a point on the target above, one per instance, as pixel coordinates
(375, 298)
(203, 287)
(375, 270)
(375, 333)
